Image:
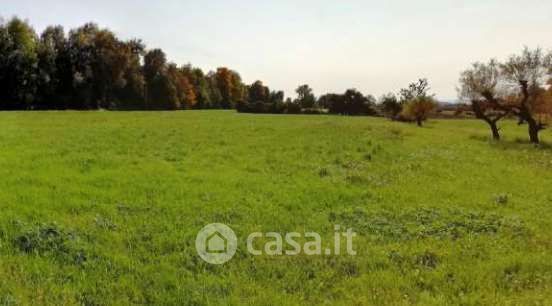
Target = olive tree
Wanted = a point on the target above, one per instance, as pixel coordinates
(517, 86)
(480, 86)
(526, 75)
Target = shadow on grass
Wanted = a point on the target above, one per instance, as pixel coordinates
(512, 144)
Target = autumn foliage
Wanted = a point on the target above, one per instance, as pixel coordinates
(418, 109)
(91, 68)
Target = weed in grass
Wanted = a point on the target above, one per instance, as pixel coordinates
(50, 240)
(428, 223)
(502, 199)
(323, 172)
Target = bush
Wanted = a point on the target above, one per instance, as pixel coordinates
(419, 108)
(50, 240)
(293, 108)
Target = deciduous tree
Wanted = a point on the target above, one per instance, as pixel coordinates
(390, 105)
(257, 92)
(305, 97)
(230, 87)
(18, 62)
(418, 103)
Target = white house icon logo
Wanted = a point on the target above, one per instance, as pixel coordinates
(216, 243)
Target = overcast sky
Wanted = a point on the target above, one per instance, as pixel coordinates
(374, 46)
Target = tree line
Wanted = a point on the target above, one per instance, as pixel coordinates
(352, 102)
(90, 68)
(412, 104)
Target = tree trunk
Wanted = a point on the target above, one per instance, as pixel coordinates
(495, 130)
(526, 115)
(534, 129)
(419, 122)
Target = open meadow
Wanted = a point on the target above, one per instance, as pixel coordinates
(103, 208)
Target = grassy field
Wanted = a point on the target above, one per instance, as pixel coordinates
(103, 208)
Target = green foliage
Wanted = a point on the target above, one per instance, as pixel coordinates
(90, 68)
(18, 58)
(390, 105)
(305, 96)
(352, 102)
(257, 92)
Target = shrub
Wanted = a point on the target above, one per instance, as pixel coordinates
(419, 108)
(50, 240)
(292, 108)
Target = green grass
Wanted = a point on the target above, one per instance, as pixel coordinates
(103, 208)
